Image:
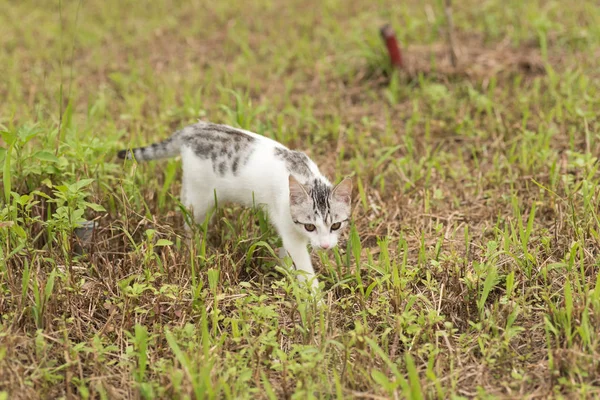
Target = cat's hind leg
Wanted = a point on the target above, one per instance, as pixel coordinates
(202, 207)
(198, 203)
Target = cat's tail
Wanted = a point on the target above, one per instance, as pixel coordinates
(168, 148)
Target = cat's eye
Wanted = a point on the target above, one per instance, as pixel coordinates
(336, 226)
(310, 227)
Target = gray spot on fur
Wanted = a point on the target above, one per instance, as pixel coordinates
(234, 166)
(295, 161)
(319, 193)
(227, 148)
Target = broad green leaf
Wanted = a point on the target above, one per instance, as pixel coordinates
(8, 137)
(488, 285)
(163, 242)
(95, 207)
(49, 286)
(83, 183)
(18, 229)
(213, 278)
(45, 156)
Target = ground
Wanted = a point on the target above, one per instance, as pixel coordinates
(470, 270)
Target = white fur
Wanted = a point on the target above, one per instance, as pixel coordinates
(262, 180)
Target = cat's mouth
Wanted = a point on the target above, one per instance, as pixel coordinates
(319, 247)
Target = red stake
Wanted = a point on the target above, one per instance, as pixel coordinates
(391, 43)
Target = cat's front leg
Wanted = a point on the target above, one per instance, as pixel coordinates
(295, 246)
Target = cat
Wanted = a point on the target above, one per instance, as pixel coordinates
(250, 169)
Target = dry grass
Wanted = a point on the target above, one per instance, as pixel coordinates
(471, 267)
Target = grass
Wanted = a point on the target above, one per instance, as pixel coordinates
(470, 270)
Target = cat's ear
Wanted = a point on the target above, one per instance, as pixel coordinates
(342, 192)
(298, 193)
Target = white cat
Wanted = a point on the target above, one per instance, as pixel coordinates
(250, 169)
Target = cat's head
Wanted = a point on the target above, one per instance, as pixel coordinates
(319, 211)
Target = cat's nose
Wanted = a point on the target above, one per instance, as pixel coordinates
(325, 245)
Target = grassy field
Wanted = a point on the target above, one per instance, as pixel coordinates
(470, 270)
